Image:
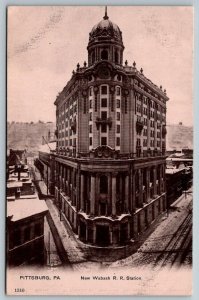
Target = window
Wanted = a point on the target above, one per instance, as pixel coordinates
(117, 141)
(118, 116)
(103, 141)
(104, 54)
(91, 104)
(90, 116)
(95, 103)
(103, 184)
(17, 237)
(84, 105)
(93, 57)
(116, 57)
(118, 128)
(103, 102)
(90, 128)
(138, 142)
(118, 103)
(126, 106)
(90, 91)
(27, 234)
(103, 128)
(104, 115)
(118, 91)
(104, 90)
(38, 230)
(90, 141)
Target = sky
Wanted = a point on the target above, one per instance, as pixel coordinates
(44, 45)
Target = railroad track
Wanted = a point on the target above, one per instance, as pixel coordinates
(177, 247)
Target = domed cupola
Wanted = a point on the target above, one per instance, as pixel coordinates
(105, 42)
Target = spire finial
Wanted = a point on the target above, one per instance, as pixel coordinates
(105, 16)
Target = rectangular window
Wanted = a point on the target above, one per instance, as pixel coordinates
(90, 91)
(90, 116)
(27, 234)
(104, 90)
(103, 128)
(118, 91)
(118, 128)
(91, 104)
(90, 128)
(117, 141)
(38, 229)
(17, 237)
(126, 106)
(90, 141)
(118, 116)
(118, 103)
(104, 102)
(104, 115)
(103, 141)
(145, 143)
(84, 105)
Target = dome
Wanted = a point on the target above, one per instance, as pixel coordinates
(105, 29)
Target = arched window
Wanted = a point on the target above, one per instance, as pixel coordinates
(103, 184)
(92, 57)
(116, 57)
(104, 54)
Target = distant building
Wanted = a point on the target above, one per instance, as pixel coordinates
(110, 155)
(17, 156)
(45, 163)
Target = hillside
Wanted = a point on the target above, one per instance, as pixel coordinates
(28, 135)
(179, 137)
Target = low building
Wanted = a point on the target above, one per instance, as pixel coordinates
(177, 181)
(25, 231)
(17, 156)
(45, 164)
(25, 219)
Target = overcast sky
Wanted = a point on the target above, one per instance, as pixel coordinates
(46, 43)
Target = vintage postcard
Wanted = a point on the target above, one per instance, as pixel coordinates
(99, 150)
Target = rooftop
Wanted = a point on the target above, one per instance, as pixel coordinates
(21, 209)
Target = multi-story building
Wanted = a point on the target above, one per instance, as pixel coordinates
(110, 155)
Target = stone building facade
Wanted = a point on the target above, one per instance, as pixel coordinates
(110, 155)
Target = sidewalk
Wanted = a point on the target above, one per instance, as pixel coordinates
(72, 248)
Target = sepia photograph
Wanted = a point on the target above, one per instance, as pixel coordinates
(99, 169)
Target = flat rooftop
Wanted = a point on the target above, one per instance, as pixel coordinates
(21, 209)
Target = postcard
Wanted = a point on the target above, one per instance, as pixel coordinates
(99, 150)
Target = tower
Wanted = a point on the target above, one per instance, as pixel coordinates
(105, 42)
